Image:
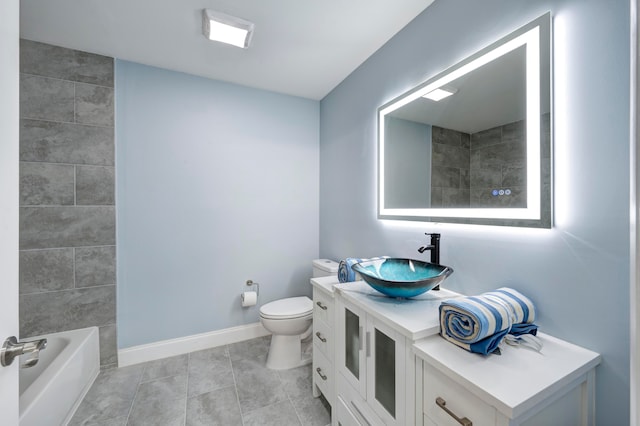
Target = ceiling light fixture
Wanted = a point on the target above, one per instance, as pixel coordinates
(439, 94)
(225, 28)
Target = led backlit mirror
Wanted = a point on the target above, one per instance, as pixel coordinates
(473, 144)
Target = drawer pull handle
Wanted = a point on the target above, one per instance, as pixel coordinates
(442, 404)
(353, 404)
(322, 339)
(323, 307)
(319, 371)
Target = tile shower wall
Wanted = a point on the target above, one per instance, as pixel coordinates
(467, 168)
(67, 200)
(449, 168)
(498, 162)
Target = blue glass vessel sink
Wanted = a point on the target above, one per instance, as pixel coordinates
(396, 277)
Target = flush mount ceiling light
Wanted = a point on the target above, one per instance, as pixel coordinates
(439, 94)
(225, 28)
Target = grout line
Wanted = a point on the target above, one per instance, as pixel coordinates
(75, 98)
(133, 400)
(75, 185)
(65, 122)
(186, 390)
(62, 79)
(235, 386)
(67, 289)
(67, 164)
(32, 206)
(75, 284)
(66, 248)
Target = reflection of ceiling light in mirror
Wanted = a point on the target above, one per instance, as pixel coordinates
(217, 26)
(439, 94)
(531, 40)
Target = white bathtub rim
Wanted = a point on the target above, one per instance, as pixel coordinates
(36, 391)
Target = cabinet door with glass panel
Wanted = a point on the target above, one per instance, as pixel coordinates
(350, 351)
(371, 357)
(385, 354)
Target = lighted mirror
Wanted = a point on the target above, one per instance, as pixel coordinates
(473, 144)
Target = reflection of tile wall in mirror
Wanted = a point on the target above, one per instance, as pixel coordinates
(485, 167)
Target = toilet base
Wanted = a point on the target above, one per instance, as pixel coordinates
(285, 352)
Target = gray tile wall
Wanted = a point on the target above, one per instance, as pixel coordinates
(498, 161)
(449, 168)
(67, 213)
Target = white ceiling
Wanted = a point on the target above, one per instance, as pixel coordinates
(300, 47)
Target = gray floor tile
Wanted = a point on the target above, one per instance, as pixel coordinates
(280, 414)
(111, 396)
(204, 388)
(254, 348)
(312, 411)
(257, 386)
(209, 370)
(118, 421)
(219, 407)
(158, 413)
(166, 367)
(162, 390)
(297, 381)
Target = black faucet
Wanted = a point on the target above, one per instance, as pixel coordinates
(434, 248)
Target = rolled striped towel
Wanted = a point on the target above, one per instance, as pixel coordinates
(523, 309)
(479, 323)
(346, 274)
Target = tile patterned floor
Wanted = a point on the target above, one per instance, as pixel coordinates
(228, 385)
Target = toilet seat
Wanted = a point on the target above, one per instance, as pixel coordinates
(289, 308)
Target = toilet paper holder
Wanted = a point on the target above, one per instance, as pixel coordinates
(256, 285)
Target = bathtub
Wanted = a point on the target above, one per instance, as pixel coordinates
(51, 391)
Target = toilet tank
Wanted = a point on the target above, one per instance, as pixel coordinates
(324, 268)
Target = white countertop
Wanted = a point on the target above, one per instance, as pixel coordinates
(516, 380)
(415, 318)
(325, 284)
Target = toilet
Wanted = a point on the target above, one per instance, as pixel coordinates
(289, 321)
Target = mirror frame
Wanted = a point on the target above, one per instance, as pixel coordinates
(538, 211)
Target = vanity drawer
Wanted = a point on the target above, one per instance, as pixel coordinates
(323, 375)
(459, 401)
(322, 307)
(323, 339)
(356, 404)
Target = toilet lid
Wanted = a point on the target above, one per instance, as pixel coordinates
(291, 307)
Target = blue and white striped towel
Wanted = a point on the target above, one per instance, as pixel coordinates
(345, 273)
(479, 323)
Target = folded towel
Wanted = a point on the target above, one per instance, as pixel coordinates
(523, 309)
(345, 273)
(479, 323)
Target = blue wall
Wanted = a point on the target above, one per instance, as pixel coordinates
(216, 184)
(578, 272)
(407, 164)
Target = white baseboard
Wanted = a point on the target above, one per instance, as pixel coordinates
(183, 345)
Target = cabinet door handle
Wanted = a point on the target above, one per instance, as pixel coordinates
(323, 307)
(463, 421)
(360, 338)
(353, 404)
(322, 339)
(319, 371)
(368, 344)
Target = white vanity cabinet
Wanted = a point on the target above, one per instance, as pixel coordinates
(374, 362)
(323, 376)
(371, 362)
(519, 387)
